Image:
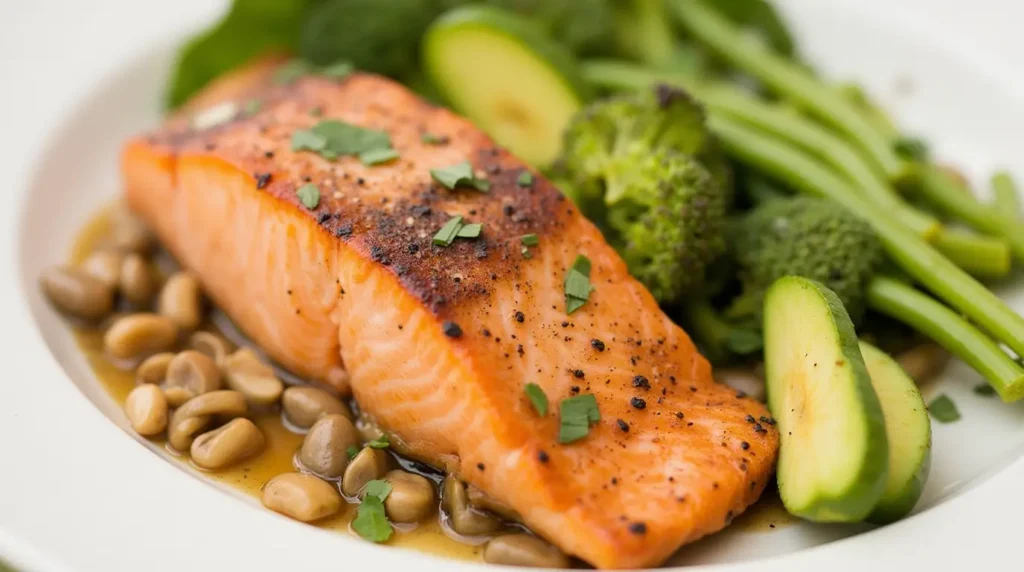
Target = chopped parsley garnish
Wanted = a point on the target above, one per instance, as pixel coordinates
(526, 252)
(577, 415)
(371, 521)
(530, 240)
(293, 70)
(332, 138)
(380, 442)
(448, 232)
(470, 230)
(943, 409)
(431, 139)
(538, 398)
(460, 175)
(378, 156)
(215, 115)
(525, 179)
(352, 451)
(339, 70)
(577, 284)
(252, 107)
(309, 195)
(316, 112)
(985, 390)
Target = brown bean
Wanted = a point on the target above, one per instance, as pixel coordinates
(302, 497)
(923, 362)
(234, 441)
(182, 430)
(325, 448)
(195, 371)
(478, 499)
(411, 498)
(303, 405)
(462, 516)
(131, 235)
(154, 368)
(146, 409)
(76, 293)
(105, 266)
(368, 464)
(137, 282)
(139, 335)
(225, 403)
(246, 374)
(368, 428)
(181, 301)
(524, 550)
(213, 345)
(177, 396)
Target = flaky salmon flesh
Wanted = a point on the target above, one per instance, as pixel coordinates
(438, 343)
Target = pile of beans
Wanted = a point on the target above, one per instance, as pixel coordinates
(197, 391)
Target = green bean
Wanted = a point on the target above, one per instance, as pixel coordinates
(981, 256)
(920, 311)
(1006, 198)
(914, 256)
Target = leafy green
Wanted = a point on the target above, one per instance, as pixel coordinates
(459, 175)
(470, 230)
(332, 138)
(525, 179)
(446, 235)
(943, 409)
(378, 156)
(251, 28)
(352, 451)
(309, 195)
(538, 398)
(530, 240)
(371, 520)
(380, 442)
(577, 414)
(577, 284)
(377, 488)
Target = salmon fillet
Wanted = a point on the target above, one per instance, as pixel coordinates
(354, 293)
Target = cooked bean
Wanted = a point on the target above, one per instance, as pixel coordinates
(105, 266)
(181, 300)
(154, 368)
(195, 371)
(325, 448)
(305, 404)
(234, 441)
(246, 374)
(178, 396)
(743, 379)
(368, 465)
(213, 345)
(524, 550)
(478, 499)
(462, 517)
(137, 282)
(77, 293)
(183, 430)
(411, 498)
(130, 235)
(923, 362)
(146, 408)
(368, 428)
(302, 497)
(139, 335)
(225, 403)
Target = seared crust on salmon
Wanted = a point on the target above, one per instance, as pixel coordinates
(438, 343)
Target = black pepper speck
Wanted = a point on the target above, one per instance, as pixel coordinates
(623, 425)
(641, 382)
(578, 374)
(597, 344)
(638, 528)
(520, 317)
(543, 457)
(638, 403)
(451, 329)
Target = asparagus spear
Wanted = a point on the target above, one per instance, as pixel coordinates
(913, 255)
(1006, 197)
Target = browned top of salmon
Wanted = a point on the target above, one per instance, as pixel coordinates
(357, 283)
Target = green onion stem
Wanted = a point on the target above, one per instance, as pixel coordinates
(922, 312)
(913, 255)
(791, 81)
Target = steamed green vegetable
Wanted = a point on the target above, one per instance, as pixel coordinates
(646, 170)
(583, 26)
(833, 450)
(1006, 197)
(644, 31)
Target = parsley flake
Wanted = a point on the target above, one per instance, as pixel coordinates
(378, 156)
(470, 231)
(577, 415)
(290, 72)
(538, 398)
(460, 175)
(371, 521)
(944, 410)
(448, 232)
(530, 240)
(309, 195)
(380, 442)
(339, 70)
(377, 488)
(252, 107)
(525, 179)
(332, 138)
(577, 284)
(352, 451)
(984, 390)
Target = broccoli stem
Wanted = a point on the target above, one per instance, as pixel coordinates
(644, 30)
(956, 201)
(984, 257)
(709, 329)
(916, 257)
(1005, 197)
(933, 319)
(792, 81)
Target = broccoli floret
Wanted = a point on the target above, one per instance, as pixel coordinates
(636, 166)
(803, 236)
(375, 35)
(584, 26)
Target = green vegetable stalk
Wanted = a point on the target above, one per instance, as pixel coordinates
(644, 31)
(1006, 196)
(951, 331)
(916, 257)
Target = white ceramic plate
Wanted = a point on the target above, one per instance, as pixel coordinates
(78, 492)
